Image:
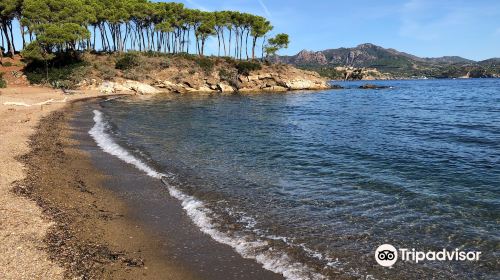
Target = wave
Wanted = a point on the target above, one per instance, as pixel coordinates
(203, 217)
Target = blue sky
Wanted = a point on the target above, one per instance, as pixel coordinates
(426, 28)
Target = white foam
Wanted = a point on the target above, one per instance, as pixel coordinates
(270, 259)
(107, 144)
(273, 260)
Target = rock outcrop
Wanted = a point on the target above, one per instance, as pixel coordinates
(269, 79)
(369, 74)
(308, 57)
(126, 86)
(204, 76)
(370, 86)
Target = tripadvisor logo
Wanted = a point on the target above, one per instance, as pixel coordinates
(387, 255)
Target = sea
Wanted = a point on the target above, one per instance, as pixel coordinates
(310, 184)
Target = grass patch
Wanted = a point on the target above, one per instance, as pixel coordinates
(105, 71)
(3, 83)
(245, 67)
(206, 64)
(127, 61)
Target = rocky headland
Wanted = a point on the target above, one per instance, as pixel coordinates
(269, 79)
(150, 74)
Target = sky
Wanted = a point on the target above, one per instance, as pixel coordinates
(426, 28)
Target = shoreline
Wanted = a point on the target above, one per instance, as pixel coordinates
(23, 223)
(94, 231)
(88, 237)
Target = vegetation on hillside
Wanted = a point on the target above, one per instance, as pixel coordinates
(3, 83)
(52, 30)
(398, 64)
(68, 70)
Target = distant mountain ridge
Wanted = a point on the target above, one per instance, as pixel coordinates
(393, 62)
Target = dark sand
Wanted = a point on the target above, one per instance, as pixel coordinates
(112, 221)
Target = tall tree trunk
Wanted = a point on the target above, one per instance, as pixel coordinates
(105, 34)
(223, 42)
(236, 35)
(229, 48)
(143, 41)
(168, 42)
(241, 42)
(173, 42)
(218, 40)
(2, 46)
(103, 41)
(202, 46)
(159, 38)
(12, 39)
(94, 35)
(254, 42)
(22, 33)
(198, 45)
(246, 43)
(7, 39)
(263, 42)
(189, 37)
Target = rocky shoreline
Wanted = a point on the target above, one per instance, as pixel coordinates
(220, 77)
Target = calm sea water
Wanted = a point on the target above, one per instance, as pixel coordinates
(317, 181)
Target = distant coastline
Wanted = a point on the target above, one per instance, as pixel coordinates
(371, 62)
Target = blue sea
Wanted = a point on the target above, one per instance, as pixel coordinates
(309, 184)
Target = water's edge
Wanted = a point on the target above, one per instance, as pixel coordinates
(201, 216)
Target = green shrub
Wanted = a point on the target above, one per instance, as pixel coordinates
(206, 64)
(229, 60)
(105, 71)
(3, 83)
(7, 64)
(127, 61)
(59, 74)
(187, 56)
(225, 75)
(164, 64)
(155, 54)
(245, 67)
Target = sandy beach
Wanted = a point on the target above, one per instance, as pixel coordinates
(43, 231)
(32, 237)
(63, 216)
(23, 225)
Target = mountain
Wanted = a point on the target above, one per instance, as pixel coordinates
(395, 63)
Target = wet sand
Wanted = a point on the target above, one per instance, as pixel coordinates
(112, 221)
(23, 225)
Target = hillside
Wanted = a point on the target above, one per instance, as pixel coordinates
(159, 72)
(395, 63)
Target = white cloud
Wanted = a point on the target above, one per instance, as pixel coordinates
(264, 7)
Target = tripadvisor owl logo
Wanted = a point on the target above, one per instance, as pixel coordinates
(386, 255)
